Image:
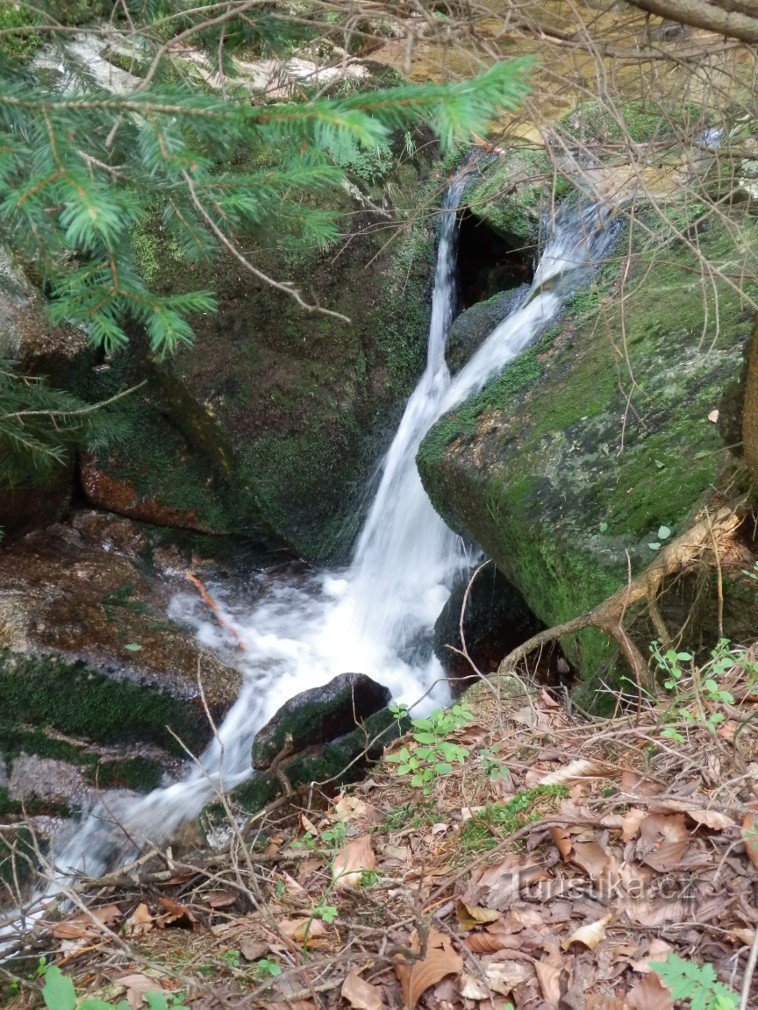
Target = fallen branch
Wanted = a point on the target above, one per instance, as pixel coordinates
(216, 610)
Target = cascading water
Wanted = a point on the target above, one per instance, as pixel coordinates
(375, 617)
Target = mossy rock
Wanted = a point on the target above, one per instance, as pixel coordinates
(474, 325)
(562, 481)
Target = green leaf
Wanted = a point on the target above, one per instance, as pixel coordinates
(133, 647)
(156, 1000)
(603, 527)
(654, 546)
(59, 992)
(664, 533)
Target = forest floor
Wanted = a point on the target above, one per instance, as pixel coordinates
(504, 854)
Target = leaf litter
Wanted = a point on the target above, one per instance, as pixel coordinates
(386, 896)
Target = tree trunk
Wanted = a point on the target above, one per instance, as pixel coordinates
(700, 14)
(750, 410)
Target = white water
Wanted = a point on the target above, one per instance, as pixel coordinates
(375, 617)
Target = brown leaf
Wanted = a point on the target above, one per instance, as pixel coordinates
(580, 768)
(669, 827)
(139, 922)
(471, 916)
(221, 899)
(711, 819)
(361, 995)
(86, 923)
(667, 856)
(640, 785)
(303, 930)
(549, 978)
(177, 915)
(474, 987)
(650, 994)
(440, 960)
(592, 858)
(133, 988)
(631, 821)
(486, 943)
(292, 887)
(252, 949)
(352, 861)
(562, 840)
(648, 913)
(750, 836)
(503, 976)
(589, 935)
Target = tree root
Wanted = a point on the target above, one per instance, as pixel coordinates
(684, 552)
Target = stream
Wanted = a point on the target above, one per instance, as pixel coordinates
(376, 616)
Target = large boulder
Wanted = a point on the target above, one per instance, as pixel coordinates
(318, 716)
(566, 467)
(472, 327)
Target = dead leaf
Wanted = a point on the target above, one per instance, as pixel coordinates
(303, 930)
(292, 887)
(133, 988)
(589, 935)
(471, 916)
(360, 994)
(562, 840)
(640, 785)
(581, 768)
(592, 858)
(177, 915)
(503, 976)
(750, 837)
(486, 943)
(473, 987)
(650, 994)
(648, 913)
(659, 950)
(631, 821)
(549, 978)
(670, 827)
(352, 861)
(667, 856)
(252, 949)
(711, 819)
(139, 922)
(713, 416)
(86, 924)
(221, 899)
(440, 960)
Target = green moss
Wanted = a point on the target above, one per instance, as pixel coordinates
(21, 45)
(84, 703)
(495, 821)
(560, 479)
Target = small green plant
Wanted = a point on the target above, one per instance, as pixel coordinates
(333, 837)
(701, 686)
(267, 968)
(59, 994)
(232, 957)
(369, 878)
(696, 983)
(432, 754)
(751, 573)
(327, 913)
(664, 532)
(494, 768)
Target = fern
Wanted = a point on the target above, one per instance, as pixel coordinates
(696, 983)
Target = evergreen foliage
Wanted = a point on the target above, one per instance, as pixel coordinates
(81, 168)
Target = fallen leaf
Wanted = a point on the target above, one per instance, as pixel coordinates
(294, 889)
(667, 856)
(471, 916)
(221, 899)
(647, 913)
(177, 915)
(640, 785)
(578, 769)
(650, 994)
(589, 935)
(659, 950)
(133, 988)
(252, 949)
(712, 819)
(592, 858)
(750, 837)
(303, 930)
(486, 943)
(669, 827)
(352, 861)
(360, 994)
(86, 923)
(503, 976)
(713, 416)
(630, 823)
(549, 978)
(473, 987)
(562, 840)
(440, 960)
(139, 922)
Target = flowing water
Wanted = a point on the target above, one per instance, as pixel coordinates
(376, 616)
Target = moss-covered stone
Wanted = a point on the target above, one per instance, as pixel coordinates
(566, 465)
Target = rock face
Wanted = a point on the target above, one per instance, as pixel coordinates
(271, 424)
(473, 326)
(564, 483)
(89, 658)
(496, 620)
(318, 716)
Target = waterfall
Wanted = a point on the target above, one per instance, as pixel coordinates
(376, 616)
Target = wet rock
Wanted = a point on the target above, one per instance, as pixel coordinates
(86, 644)
(496, 620)
(319, 715)
(48, 782)
(474, 325)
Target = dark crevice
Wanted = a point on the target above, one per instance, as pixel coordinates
(487, 263)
